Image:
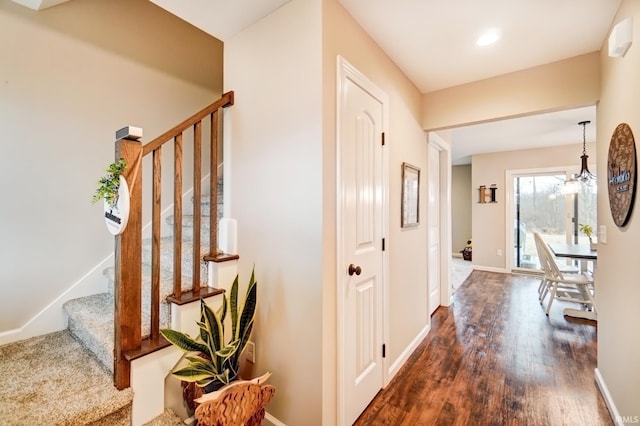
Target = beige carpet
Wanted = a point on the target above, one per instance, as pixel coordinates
(168, 418)
(52, 380)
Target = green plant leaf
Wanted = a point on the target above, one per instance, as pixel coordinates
(214, 327)
(233, 301)
(191, 373)
(183, 341)
(246, 319)
(201, 363)
(248, 308)
(108, 185)
(228, 351)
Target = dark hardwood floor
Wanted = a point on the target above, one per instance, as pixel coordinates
(495, 358)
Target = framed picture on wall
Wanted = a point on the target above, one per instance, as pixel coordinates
(410, 215)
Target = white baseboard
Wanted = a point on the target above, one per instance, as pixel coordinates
(404, 356)
(275, 422)
(52, 317)
(608, 399)
(489, 269)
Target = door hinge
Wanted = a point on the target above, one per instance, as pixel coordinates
(384, 350)
(383, 246)
(382, 138)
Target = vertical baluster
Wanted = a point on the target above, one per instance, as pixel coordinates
(213, 212)
(177, 215)
(197, 194)
(155, 253)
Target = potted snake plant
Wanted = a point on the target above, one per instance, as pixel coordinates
(213, 356)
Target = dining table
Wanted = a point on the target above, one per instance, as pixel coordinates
(583, 253)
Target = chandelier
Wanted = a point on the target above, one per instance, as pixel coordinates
(572, 186)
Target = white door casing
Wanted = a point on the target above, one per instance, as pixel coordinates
(441, 150)
(361, 227)
(434, 251)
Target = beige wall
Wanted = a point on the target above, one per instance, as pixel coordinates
(283, 193)
(461, 194)
(407, 142)
(276, 184)
(560, 85)
(69, 77)
(488, 220)
(618, 266)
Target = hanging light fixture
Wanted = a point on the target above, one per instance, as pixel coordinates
(572, 186)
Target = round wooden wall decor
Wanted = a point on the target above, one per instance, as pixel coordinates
(621, 173)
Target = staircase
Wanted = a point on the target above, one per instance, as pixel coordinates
(91, 317)
(68, 377)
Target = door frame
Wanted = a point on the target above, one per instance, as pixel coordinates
(446, 292)
(510, 204)
(347, 71)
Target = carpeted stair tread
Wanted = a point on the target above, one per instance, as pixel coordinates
(51, 380)
(91, 322)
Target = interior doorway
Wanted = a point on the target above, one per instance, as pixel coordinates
(361, 225)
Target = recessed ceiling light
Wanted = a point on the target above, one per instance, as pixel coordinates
(488, 37)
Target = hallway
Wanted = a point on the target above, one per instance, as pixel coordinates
(494, 358)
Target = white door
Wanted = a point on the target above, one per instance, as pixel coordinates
(433, 223)
(360, 275)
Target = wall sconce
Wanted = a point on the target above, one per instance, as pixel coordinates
(487, 195)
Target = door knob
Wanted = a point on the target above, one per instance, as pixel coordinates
(353, 269)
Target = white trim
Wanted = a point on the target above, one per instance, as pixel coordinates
(52, 317)
(345, 70)
(275, 422)
(406, 353)
(608, 399)
(444, 149)
(490, 269)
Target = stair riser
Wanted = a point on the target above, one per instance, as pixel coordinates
(100, 350)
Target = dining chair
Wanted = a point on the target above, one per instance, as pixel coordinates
(562, 265)
(574, 287)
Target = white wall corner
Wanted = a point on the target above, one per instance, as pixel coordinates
(608, 399)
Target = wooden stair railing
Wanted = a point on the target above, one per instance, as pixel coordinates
(128, 247)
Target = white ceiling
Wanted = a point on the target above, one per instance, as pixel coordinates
(221, 18)
(432, 41)
(534, 131)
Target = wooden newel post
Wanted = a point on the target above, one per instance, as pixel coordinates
(128, 266)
